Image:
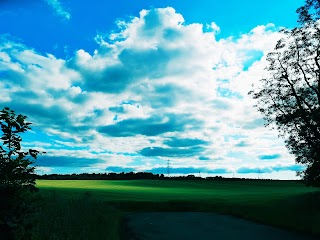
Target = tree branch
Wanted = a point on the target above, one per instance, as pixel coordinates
(318, 71)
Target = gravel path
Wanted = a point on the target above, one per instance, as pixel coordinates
(200, 226)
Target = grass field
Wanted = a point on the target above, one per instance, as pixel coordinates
(89, 209)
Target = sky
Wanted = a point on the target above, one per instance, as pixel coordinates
(113, 86)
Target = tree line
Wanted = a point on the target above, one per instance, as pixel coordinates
(101, 176)
(135, 176)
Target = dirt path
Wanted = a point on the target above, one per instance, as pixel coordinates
(200, 226)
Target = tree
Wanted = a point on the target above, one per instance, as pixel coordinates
(289, 97)
(17, 178)
(309, 12)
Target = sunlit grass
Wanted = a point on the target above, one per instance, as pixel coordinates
(150, 190)
(287, 204)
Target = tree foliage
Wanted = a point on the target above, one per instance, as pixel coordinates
(17, 181)
(289, 97)
(309, 12)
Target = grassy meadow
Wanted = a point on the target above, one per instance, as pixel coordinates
(92, 209)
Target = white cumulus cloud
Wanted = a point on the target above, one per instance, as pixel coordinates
(155, 88)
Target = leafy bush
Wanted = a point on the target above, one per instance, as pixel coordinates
(17, 178)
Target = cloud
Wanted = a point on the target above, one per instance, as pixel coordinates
(210, 171)
(269, 157)
(245, 170)
(152, 126)
(253, 56)
(118, 109)
(43, 170)
(113, 79)
(256, 123)
(294, 168)
(187, 170)
(221, 104)
(277, 168)
(65, 161)
(177, 147)
(59, 9)
(215, 28)
(41, 112)
(163, 95)
(242, 144)
(184, 142)
(218, 171)
(119, 169)
(171, 152)
(155, 87)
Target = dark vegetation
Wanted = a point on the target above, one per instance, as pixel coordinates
(102, 176)
(133, 176)
(17, 181)
(75, 217)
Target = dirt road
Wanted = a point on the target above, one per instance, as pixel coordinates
(199, 226)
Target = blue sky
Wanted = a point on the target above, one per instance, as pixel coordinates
(126, 85)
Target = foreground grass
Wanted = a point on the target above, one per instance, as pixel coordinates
(92, 209)
(83, 218)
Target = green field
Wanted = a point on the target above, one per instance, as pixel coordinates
(75, 203)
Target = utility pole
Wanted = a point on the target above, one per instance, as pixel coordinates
(168, 167)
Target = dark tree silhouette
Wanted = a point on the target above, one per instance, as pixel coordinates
(17, 178)
(309, 12)
(289, 97)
